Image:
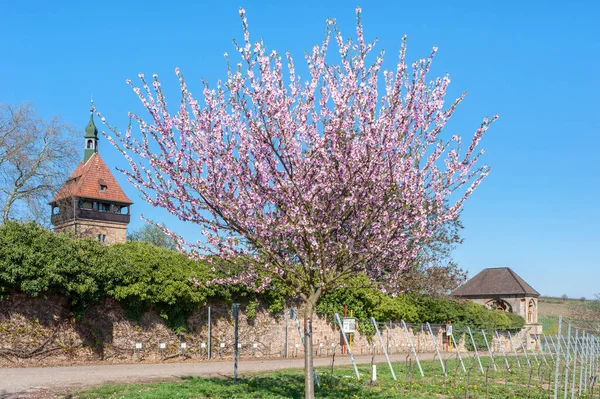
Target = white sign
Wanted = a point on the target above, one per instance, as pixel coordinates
(138, 346)
(448, 330)
(349, 324)
(239, 346)
(203, 345)
(183, 345)
(163, 346)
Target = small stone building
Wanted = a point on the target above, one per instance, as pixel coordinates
(501, 288)
(91, 203)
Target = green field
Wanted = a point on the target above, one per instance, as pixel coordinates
(581, 314)
(342, 384)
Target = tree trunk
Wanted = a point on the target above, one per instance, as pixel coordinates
(7, 205)
(10, 199)
(309, 382)
(5, 213)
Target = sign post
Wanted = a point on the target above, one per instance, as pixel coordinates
(349, 324)
(449, 335)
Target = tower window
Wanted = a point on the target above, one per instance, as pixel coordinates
(90, 144)
(103, 185)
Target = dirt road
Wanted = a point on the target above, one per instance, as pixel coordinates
(44, 381)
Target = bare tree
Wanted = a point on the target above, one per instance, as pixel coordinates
(433, 271)
(155, 235)
(36, 157)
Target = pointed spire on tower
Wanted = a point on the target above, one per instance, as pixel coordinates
(91, 136)
(90, 130)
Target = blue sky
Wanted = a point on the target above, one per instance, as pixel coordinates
(535, 63)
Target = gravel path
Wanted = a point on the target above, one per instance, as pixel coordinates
(41, 382)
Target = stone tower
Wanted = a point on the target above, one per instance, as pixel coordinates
(91, 203)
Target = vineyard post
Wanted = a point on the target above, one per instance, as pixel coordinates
(502, 349)
(542, 348)
(575, 353)
(535, 357)
(235, 310)
(391, 336)
(549, 348)
(339, 321)
(582, 361)
(489, 349)
(383, 347)
(209, 340)
(567, 360)
(475, 348)
(589, 368)
(520, 336)
(458, 353)
(586, 352)
(437, 350)
(557, 370)
(514, 349)
(413, 347)
(553, 344)
(592, 374)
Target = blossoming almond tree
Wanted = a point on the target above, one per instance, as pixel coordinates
(310, 181)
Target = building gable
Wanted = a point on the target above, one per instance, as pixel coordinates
(500, 281)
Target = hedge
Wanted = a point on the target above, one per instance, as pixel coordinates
(140, 276)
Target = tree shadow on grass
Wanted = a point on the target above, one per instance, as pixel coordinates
(282, 386)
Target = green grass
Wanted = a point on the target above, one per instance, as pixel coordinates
(549, 324)
(342, 384)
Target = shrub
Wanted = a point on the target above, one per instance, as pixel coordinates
(36, 261)
(365, 302)
(140, 276)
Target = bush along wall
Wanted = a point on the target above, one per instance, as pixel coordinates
(140, 276)
(366, 302)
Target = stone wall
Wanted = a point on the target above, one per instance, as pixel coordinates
(42, 331)
(112, 231)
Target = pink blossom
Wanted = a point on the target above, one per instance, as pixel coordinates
(307, 182)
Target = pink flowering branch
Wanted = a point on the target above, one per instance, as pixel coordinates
(309, 181)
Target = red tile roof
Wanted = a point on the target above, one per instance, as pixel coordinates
(85, 182)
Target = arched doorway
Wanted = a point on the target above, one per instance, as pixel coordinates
(499, 304)
(531, 312)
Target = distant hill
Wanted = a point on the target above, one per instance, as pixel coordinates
(581, 313)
